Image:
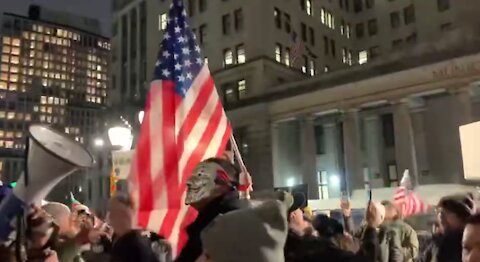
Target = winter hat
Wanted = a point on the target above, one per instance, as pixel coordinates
(461, 206)
(255, 234)
(326, 226)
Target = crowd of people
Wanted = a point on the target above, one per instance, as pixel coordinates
(273, 228)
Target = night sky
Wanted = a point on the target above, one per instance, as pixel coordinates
(99, 9)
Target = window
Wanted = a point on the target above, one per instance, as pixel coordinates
(304, 32)
(327, 18)
(325, 44)
(242, 89)
(226, 24)
(229, 93)
(227, 57)
(238, 19)
(287, 56)
(348, 31)
(278, 53)
(320, 139)
(312, 67)
(312, 36)
(411, 39)
(162, 22)
(370, 3)
(332, 45)
(278, 18)
(344, 55)
(372, 27)
(443, 5)
(302, 4)
(445, 27)
(359, 30)
(305, 64)
(202, 33)
(309, 7)
(362, 57)
(392, 175)
(395, 19)
(388, 130)
(322, 180)
(397, 43)
(288, 27)
(409, 14)
(191, 7)
(202, 5)
(357, 6)
(241, 54)
(374, 52)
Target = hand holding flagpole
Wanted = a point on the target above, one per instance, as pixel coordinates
(245, 179)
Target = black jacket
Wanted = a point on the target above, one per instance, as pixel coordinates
(132, 247)
(220, 205)
(312, 249)
(444, 248)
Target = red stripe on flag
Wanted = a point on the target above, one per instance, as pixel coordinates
(193, 160)
(225, 139)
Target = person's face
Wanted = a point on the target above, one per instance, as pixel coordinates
(471, 243)
(297, 222)
(449, 221)
(201, 186)
(120, 216)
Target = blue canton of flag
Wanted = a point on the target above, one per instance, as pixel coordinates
(179, 59)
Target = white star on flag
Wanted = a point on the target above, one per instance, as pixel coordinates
(188, 63)
(181, 39)
(185, 51)
(165, 72)
(181, 78)
(178, 30)
(199, 61)
(189, 76)
(166, 54)
(197, 48)
(178, 67)
(157, 63)
(166, 36)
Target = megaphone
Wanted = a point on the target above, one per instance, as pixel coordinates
(51, 156)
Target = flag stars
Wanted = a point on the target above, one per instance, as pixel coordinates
(197, 48)
(189, 76)
(181, 39)
(199, 61)
(166, 36)
(178, 67)
(178, 29)
(185, 51)
(181, 78)
(166, 54)
(157, 63)
(187, 63)
(166, 72)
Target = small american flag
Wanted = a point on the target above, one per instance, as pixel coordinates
(184, 124)
(407, 201)
(297, 48)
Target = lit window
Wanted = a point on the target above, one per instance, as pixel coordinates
(44, 82)
(49, 109)
(241, 54)
(16, 42)
(6, 40)
(42, 118)
(5, 67)
(242, 88)
(43, 100)
(99, 100)
(12, 87)
(2, 133)
(50, 100)
(2, 114)
(28, 117)
(13, 69)
(30, 71)
(49, 119)
(305, 64)
(19, 116)
(59, 32)
(32, 53)
(3, 85)
(278, 53)
(228, 57)
(287, 56)
(5, 58)
(312, 67)
(6, 49)
(362, 57)
(4, 76)
(162, 22)
(32, 36)
(13, 78)
(11, 115)
(309, 7)
(9, 144)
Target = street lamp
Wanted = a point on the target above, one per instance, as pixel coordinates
(98, 142)
(120, 137)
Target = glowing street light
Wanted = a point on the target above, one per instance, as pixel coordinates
(120, 137)
(290, 181)
(98, 142)
(141, 114)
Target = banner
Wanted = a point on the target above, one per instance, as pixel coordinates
(470, 138)
(121, 163)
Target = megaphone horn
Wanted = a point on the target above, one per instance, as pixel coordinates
(51, 157)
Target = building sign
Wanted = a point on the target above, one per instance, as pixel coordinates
(121, 163)
(457, 69)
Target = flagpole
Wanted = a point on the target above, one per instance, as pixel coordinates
(243, 168)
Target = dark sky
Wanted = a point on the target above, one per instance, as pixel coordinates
(99, 9)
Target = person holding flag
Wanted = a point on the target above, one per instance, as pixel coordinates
(184, 124)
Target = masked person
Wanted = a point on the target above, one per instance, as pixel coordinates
(211, 190)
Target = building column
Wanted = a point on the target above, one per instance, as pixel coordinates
(374, 150)
(275, 157)
(405, 151)
(309, 155)
(353, 155)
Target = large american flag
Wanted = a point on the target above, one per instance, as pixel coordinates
(407, 201)
(184, 124)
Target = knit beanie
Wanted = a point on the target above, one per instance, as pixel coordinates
(255, 234)
(461, 206)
